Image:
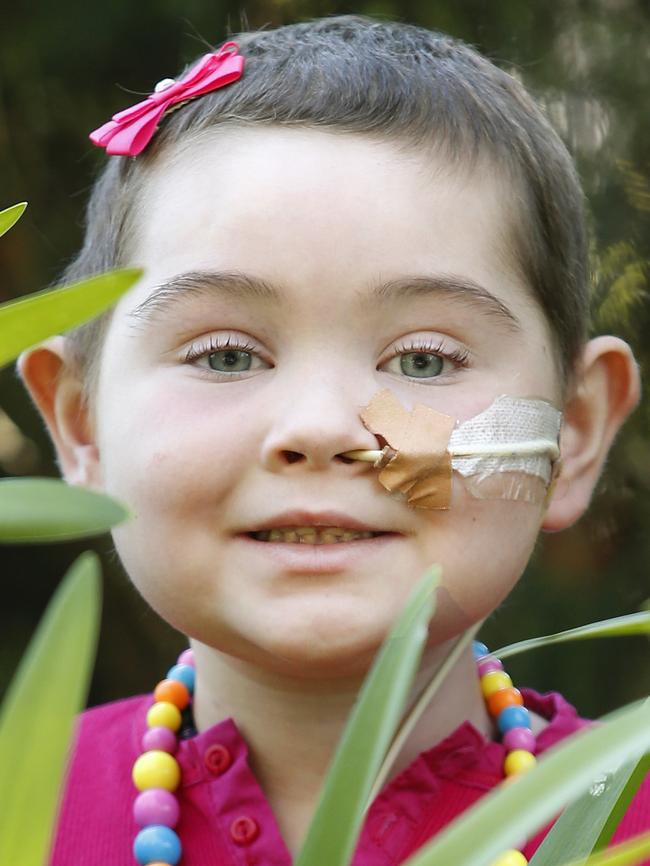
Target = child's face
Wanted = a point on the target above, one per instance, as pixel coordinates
(204, 456)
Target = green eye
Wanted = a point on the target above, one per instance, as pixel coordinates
(421, 364)
(230, 361)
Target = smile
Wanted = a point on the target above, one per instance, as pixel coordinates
(312, 535)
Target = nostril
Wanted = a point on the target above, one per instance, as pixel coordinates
(292, 456)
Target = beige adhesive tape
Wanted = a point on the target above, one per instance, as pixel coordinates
(509, 451)
(419, 465)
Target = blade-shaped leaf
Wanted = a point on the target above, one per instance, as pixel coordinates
(339, 814)
(29, 320)
(588, 824)
(46, 509)
(500, 819)
(420, 705)
(10, 216)
(37, 715)
(618, 626)
(628, 853)
(636, 777)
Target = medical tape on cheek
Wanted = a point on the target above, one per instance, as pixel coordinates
(530, 428)
(418, 463)
(509, 451)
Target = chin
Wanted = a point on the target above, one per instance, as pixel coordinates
(319, 653)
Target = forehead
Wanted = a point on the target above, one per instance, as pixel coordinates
(330, 212)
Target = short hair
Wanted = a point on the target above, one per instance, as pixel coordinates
(387, 80)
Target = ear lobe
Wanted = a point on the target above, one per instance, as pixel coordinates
(607, 389)
(57, 391)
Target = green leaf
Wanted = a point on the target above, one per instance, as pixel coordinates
(46, 509)
(37, 715)
(36, 317)
(10, 216)
(514, 811)
(339, 814)
(619, 626)
(588, 824)
(628, 853)
(422, 702)
(639, 771)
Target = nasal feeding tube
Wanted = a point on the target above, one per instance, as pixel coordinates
(509, 451)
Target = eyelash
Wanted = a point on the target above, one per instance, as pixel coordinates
(459, 357)
(216, 344)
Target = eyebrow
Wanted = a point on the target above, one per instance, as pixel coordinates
(237, 285)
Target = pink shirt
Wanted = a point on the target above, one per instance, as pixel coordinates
(226, 819)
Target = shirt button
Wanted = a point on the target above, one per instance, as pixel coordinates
(243, 830)
(217, 759)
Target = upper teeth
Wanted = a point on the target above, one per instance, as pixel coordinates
(311, 534)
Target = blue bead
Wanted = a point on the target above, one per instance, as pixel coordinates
(479, 649)
(184, 674)
(157, 843)
(513, 717)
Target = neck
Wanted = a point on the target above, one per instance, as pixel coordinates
(292, 726)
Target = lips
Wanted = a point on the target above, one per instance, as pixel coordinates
(312, 535)
(320, 521)
(309, 558)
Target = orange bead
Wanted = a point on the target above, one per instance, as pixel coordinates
(174, 692)
(504, 698)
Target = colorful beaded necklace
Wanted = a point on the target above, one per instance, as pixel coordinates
(157, 774)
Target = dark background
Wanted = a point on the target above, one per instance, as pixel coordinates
(65, 68)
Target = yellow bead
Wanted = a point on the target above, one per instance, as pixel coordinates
(156, 769)
(510, 858)
(164, 715)
(494, 681)
(518, 761)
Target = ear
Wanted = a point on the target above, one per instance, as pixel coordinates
(56, 388)
(606, 390)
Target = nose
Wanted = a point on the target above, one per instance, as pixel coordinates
(315, 426)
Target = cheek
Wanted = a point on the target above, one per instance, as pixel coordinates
(483, 547)
(173, 455)
(171, 440)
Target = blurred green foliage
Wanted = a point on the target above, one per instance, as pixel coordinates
(46, 693)
(50, 686)
(65, 71)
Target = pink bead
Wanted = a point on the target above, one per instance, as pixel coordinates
(519, 738)
(186, 658)
(159, 738)
(156, 806)
(488, 664)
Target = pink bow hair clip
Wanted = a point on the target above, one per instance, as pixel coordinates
(130, 131)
